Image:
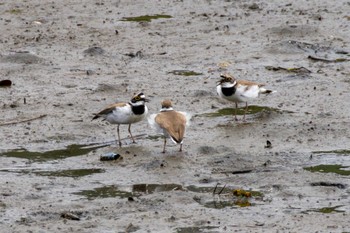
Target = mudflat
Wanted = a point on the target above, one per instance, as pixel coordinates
(285, 169)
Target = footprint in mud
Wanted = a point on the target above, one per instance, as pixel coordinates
(21, 58)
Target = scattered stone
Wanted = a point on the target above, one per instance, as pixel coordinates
(254, 6)
(138, 54)
(94, 51)
(70, 216)
(268, 145)
(90, 72)
(5, 83)
(109, 156)
(207, 150)
(131, 228)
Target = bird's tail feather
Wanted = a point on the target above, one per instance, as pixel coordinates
(266, 91)
(95, 117)
(176, 141)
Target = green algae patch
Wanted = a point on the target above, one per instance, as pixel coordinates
(252, 109)
(74, 173)
(70, 151)
(145, 18)
(328, 210)
(340, 152)
(185, 73)
(228, 197)
(135, 190)
(220, 204)
(324, 168)
(14, 11)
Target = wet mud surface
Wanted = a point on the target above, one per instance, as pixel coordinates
(285, 169)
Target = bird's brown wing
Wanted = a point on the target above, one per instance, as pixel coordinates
(249, 83)
(174, 123)
(109, 109)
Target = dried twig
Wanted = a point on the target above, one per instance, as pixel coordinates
(327, 60)
(222, 189)
(22, 121)
(215, 188)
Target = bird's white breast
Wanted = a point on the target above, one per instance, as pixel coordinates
(152, 122)
(242, 93)
(124, 115)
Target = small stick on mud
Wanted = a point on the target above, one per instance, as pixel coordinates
(326, 60)
(215, 188)
(22, 121)
(222, 189)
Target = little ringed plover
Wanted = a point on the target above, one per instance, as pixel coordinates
(170, 123)
(239, 90)
(125, 113)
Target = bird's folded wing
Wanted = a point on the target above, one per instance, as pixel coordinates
(111, 108)
(249, 83)
(174, 123)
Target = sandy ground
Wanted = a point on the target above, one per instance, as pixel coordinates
(69, 59)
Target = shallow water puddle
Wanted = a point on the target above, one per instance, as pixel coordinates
(145, 18)
(228, 197)
(152, 188)
(219, 204)
(321, 53)
(252, 109)
(74, 173)
(326, 168)
(185, 73)
(327, 210)
(198, 189)
(195, 229)
(135, 190)
(155, 137)
(109, 191)
(338, 152)
(70, 151)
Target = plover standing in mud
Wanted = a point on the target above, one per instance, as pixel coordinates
(239, 91)
(125, 113)
(171, 123)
